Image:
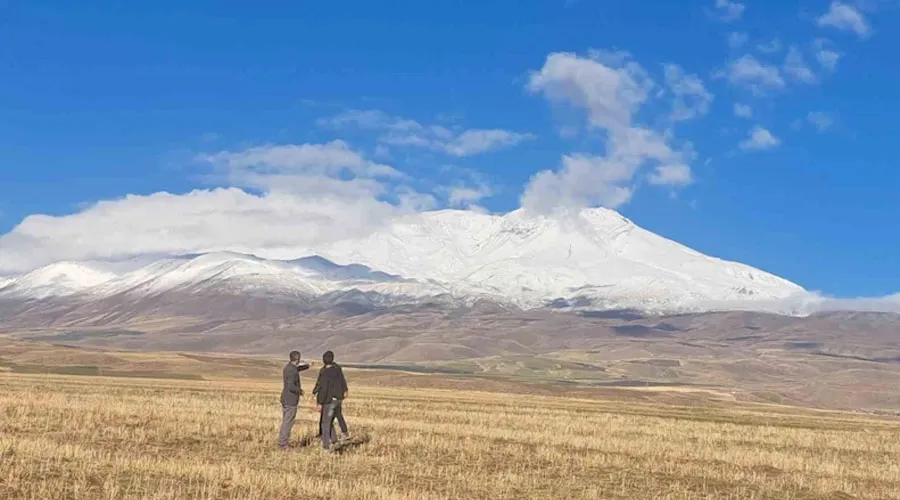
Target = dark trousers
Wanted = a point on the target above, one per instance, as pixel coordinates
(340, 420)
(330, 412)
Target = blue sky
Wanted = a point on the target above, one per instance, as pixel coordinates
(442, 103)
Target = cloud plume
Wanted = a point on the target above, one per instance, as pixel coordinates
(609, 88)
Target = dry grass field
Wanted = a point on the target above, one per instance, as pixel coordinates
(71, 437)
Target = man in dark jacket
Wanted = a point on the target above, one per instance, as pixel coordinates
(331, 390)
(290, 396)
(339, 415)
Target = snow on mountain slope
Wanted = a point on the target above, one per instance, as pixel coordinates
(59, 279)
(214, 272)
(227, 271)
(6, 281)
(596, 257)
(532, 259)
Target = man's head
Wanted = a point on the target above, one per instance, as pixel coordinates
(328, 357)
(295, 357)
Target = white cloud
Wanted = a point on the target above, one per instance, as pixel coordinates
(770, 47)
(819, 303)
(795, 66)
(610, 88)
(743, 110)
(403, 132)
(827, 57)
(282, 200)
(759, 139)
(367, 119)
(202, 220)
(821, 120)
(583, 180)
(467, 196)
(382, 151)
(411, 200)
(844, 17)
(729, 11)
(749, 73)
(737, 40)
(473, 142)
(806, 303)
(691, 97)
(258, 166)
(671, 175)
(467, 189)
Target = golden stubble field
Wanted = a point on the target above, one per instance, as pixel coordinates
(67, 437)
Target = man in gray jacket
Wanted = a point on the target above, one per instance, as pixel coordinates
(290, 396)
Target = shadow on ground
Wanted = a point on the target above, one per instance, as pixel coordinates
(355, 441)
(352, 443)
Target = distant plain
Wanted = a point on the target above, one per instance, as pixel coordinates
(841, 360)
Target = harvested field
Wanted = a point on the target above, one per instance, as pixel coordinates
(70, 437)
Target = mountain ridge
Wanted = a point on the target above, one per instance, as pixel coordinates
(595, 259)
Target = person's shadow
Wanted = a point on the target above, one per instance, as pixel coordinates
(341, 447)
(354, 442)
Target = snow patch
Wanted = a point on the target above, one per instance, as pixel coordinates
(59, 279)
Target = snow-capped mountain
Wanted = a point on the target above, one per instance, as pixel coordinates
(597, 259)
